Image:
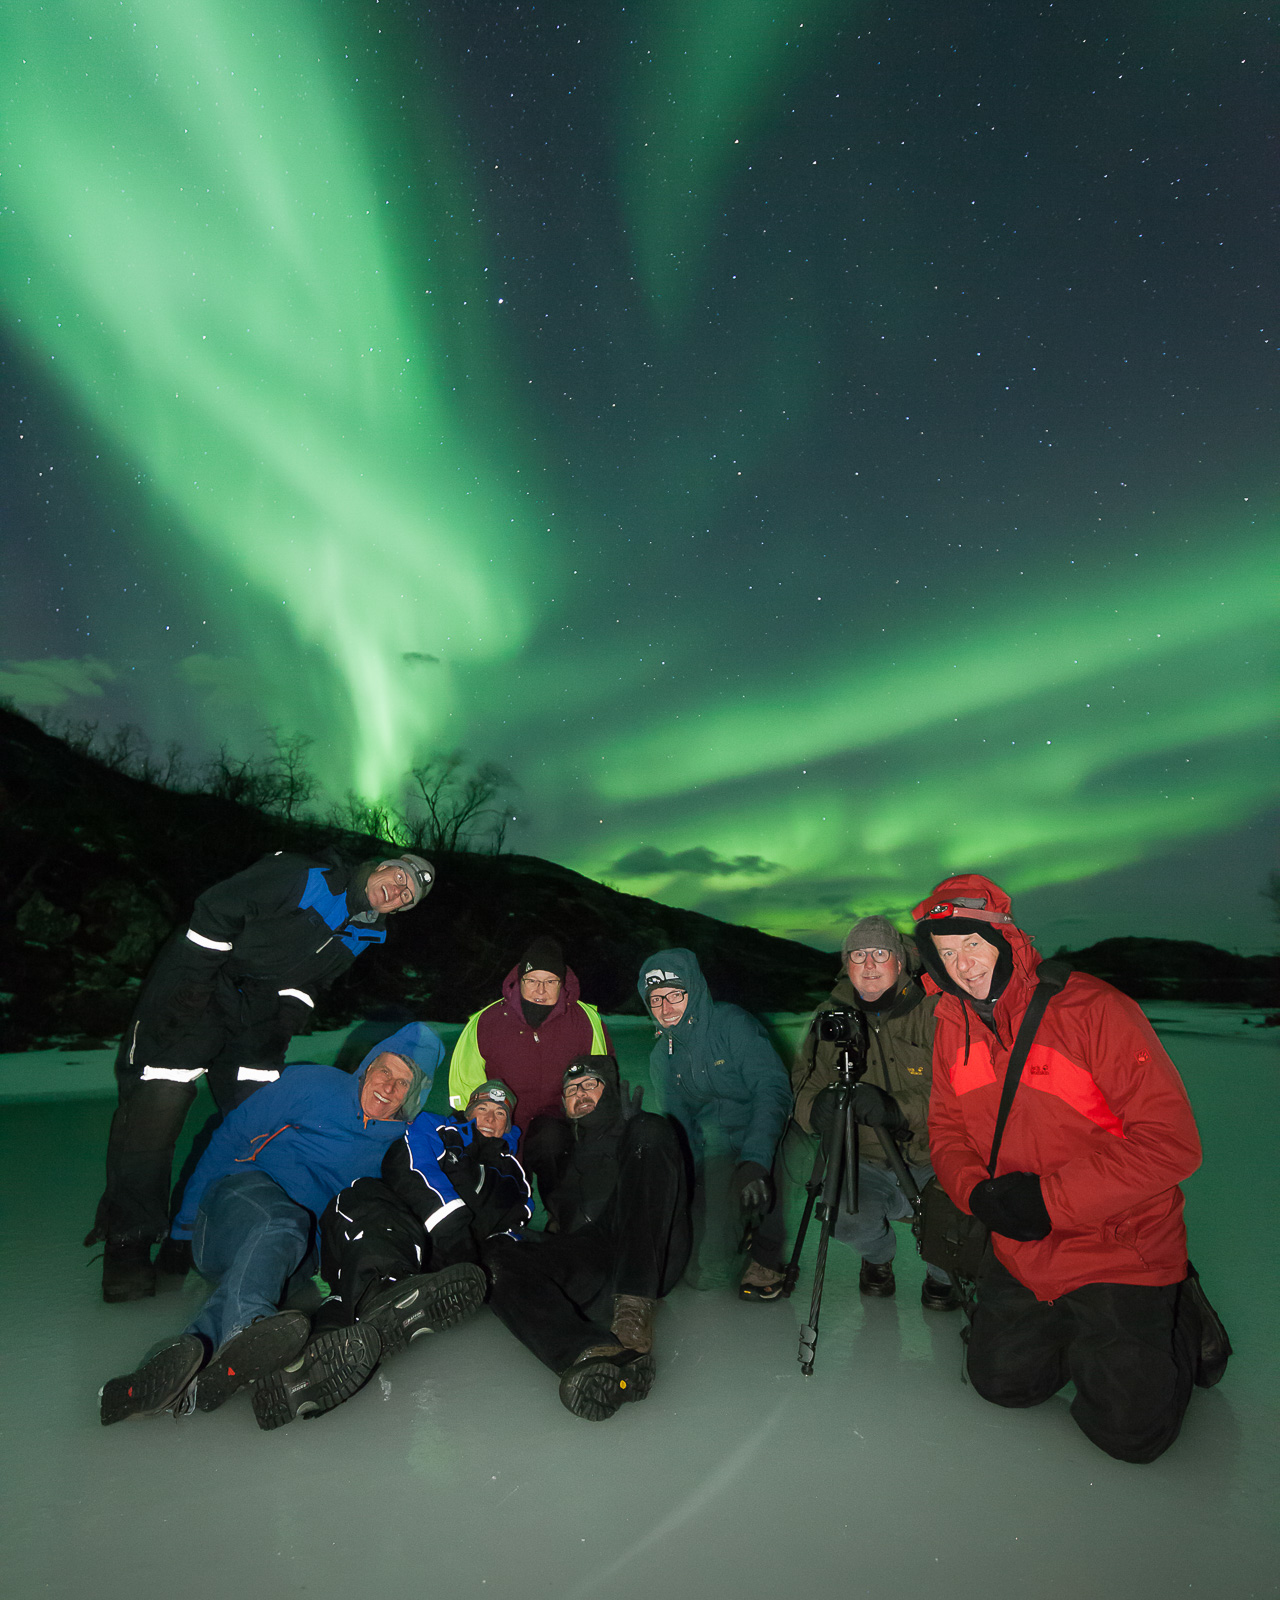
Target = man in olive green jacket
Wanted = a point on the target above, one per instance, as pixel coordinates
(893, 1093)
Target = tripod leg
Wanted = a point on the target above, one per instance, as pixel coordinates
(830, 1208)
(899, 1167)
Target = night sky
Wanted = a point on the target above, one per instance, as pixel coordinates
(814, 447)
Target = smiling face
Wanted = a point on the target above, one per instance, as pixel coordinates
(490, 1118)
(581, 1097)
(387, 1080)
(969, 961)
(540, 988)
(873, 972)
(390, 889)
(667, 1003)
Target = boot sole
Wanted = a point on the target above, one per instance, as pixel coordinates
(156, 1386)
(426, 1305)
(330, 1370)
(593, 1390)
(139, 1287)
(254, 1353)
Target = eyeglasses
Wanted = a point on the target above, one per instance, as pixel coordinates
(669, 998)
(861, 957)
(541, 985)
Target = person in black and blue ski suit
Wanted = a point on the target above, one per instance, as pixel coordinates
(719, 1077)
(251, 1210)
(224, 998)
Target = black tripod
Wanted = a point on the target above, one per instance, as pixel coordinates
(835, 1168)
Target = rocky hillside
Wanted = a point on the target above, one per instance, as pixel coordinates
(96, 868)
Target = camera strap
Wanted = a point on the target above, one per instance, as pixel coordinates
(1052, 976)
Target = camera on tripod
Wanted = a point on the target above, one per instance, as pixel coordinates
(847, 1030)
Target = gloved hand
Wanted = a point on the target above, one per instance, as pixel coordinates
(823, 1110)
(755, 1188)
(487, 1151)
(632, 1099)
(1011, 1205)
(875, 1108)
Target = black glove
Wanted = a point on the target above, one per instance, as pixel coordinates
(1011, 1205)
(755, 1188)
(823, 1111)
(488, 1151)
(874, 1108)
(632, 1099)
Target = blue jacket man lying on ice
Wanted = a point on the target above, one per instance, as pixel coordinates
(251, 1208)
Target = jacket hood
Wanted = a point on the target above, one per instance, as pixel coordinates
(570, 992)
(978, 904)
(422, 1051)
(678, 966)
(605, 1116)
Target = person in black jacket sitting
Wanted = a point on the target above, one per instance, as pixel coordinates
(582, 1294)
(224, 998)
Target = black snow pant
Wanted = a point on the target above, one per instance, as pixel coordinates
(555, 1291)
(368, 1236)
(1130, 1350)
(152, 1108)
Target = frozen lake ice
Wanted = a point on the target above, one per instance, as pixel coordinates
(457, 1472)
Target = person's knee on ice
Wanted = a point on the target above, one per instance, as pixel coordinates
(1083, 1199)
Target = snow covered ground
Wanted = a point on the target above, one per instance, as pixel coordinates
(457, 1472)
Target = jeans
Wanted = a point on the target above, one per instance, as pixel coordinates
(880, 1202)
(249, 1237)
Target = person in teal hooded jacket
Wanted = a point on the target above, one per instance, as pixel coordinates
(251, 1210)
(719, 1077)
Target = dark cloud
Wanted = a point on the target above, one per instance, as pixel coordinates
(648, 861)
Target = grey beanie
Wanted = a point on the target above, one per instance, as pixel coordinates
(420, 872)
(875, 933)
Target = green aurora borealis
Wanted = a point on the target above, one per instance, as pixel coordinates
(815, 450)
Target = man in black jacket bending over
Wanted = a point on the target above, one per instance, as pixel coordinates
(224, 997)
(581, 1296)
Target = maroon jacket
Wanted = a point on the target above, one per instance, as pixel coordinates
(498, 1043)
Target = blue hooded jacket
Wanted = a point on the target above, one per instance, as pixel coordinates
(716, 1065)
(307, 1131)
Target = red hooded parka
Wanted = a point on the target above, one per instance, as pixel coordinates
(1100, 1115)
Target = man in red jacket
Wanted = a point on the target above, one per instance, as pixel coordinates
(1084, 1208)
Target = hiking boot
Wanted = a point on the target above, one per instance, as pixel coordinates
(877, 1278)
(603, 1378)
(632, 1324)
(401, 1311)
(760, 1282)
(330, 1370)
(938, 1296)
(251, 1354)
(173, 1258)
(127, 1273)
(159, 1383)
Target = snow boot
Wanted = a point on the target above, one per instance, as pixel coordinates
(632, 1324)
(403, 1310)
(158, 1384)
(761, 1283)
(330, 1370)
(251, 1354)
(938, 1296)
(603, 1378)
(876, 1277)
(127, 1273)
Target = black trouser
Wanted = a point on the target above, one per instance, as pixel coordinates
(555, 1290)
(367, 1236)
(144, 1131)
(1128, 1348)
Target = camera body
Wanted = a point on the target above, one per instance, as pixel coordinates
(842, 1027)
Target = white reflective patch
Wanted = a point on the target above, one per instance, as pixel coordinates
(207, 944)
(257, 1075)
(443, 1212)
(296, 994)
(172, 1074)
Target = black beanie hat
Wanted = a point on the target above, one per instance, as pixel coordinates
(543, 955)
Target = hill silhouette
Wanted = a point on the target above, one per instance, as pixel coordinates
(98, 866)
